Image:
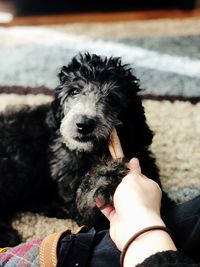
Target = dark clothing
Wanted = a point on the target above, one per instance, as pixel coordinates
(168, 259)
(184, 222)
(96, 249)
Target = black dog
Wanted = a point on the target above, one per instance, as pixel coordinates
(54, 158)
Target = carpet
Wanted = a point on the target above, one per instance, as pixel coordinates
(165, 53)
(166, 57)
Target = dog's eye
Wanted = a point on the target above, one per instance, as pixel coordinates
(74, 91)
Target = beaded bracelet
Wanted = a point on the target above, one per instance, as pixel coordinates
(130, 241)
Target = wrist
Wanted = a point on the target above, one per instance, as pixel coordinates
(146, 245)
(129, 230)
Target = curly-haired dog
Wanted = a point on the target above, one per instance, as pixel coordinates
(55, 159)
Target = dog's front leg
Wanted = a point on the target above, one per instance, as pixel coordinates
(100, 182)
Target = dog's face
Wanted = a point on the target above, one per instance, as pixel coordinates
(88, 114)
(93, 94)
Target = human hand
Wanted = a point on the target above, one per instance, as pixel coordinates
(137, 202)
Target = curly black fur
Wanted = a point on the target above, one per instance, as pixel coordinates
(54, 158)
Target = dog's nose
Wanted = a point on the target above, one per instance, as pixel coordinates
(85, 125)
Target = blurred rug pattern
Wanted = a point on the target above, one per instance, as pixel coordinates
(165, 53)
(166, 57)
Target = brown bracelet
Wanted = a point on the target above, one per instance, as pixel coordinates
(130, 241)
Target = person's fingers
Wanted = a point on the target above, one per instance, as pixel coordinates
(134, 165)
(106, 210)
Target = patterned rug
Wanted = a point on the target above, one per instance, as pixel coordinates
(165, 53)
(166, 57)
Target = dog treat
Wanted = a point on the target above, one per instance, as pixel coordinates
(115, 145)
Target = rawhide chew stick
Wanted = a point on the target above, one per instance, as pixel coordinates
(115, 146)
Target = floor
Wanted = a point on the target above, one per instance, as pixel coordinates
(7, 17)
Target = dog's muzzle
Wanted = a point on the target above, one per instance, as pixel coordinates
(79, 132)
(85, 125)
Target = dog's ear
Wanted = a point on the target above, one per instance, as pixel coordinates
(54, 115)
(50, 120)
(135, 132)
(141, 128)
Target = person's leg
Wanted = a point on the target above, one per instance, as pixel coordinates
(184, 222)
(91, 249)
(105, 253)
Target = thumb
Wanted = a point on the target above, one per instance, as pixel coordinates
(134, 165)
(106, 210)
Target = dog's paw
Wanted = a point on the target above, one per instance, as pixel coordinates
(109, 175)
(100, 184)
(103, 196)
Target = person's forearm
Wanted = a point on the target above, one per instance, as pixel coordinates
(146, 245)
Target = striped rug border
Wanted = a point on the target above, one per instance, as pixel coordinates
(43, 90)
